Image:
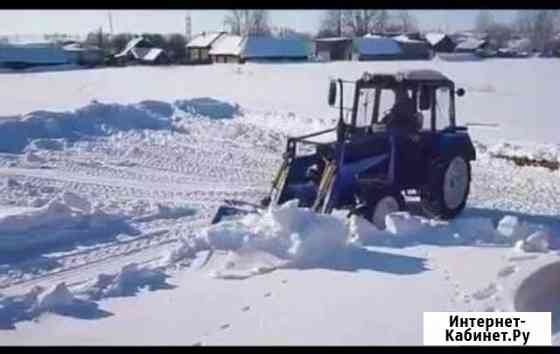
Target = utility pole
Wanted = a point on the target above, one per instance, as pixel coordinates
(111, 23)
(188, 29)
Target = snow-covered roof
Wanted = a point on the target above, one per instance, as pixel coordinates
(226, 45)
(377, 46)
(404, 39)
(32, 54)
(434, 38)
(470, 44)
(152, 54)
(203, 40)
(78, 47)
(369, 35)
(268, 47)
(333, 39)
(129, 46)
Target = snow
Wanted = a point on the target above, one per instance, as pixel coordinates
(227, 45)
(434, 38)
(470, 44)
(125, 176)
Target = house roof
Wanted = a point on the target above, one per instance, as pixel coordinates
(377, 46)
(470, 44)
(79, 47)
(129, 46)
(204, 40)
(333, 39)
(227, 45)
(268, 47)
(404, 39)
(32, 54)
(435, 38)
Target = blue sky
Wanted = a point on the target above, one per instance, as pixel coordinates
(173, 21)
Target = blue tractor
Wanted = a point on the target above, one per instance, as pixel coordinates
(382, 149)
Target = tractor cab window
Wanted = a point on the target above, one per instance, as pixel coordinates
(443, 106)
(366, 103)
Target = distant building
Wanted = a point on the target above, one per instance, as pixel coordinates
(141, 51)
(372, 47)
(82, 54)
(263, 48)
(226, 49)
(29, 55)
(413, 49)
(198, 49)
(333, 48)
(471, 45)
(440, 42)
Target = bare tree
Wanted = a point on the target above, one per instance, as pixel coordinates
(406, 22)
(537, 25)
(360, 22)
(243, 22)
(381, 21)
(484, 20)
(331, 24)
(499, 34)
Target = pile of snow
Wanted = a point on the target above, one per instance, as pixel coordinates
(127, 282)
(79, 301)
(298, 236)
(46, 129)
(66, 216)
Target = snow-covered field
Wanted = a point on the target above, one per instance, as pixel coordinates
(109, 179)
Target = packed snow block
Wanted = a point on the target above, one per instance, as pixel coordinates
(127, 282)
(536, 242)
(54, 298)
(209, 107)
(510, 229)
(227, 235)
(158, 108)
(403, 224)
(365, 233)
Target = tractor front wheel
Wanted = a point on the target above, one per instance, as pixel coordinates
(448, 187)
(381, 206)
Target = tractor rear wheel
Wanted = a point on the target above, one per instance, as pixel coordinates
(448, 188)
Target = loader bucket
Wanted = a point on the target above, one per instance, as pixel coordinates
(232, 209)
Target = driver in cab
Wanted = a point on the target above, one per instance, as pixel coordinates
(403, 114)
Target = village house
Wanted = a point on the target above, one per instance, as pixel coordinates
(83, 54)
(226, 49)
(141, 51)
(263, 48)
(198, 49)
(333, 48)
(373, 47)
(21, 56)
(412, 49)
(440, 42)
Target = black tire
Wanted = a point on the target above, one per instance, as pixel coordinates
(368, 212)
(433, 199)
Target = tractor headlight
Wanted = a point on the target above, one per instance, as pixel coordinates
(367, 76)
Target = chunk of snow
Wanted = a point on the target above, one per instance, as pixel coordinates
(55, 297)
(403, 223)
(537, 242)
(510, 228)
(127, 282)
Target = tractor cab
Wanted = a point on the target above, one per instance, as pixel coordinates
(399, 136)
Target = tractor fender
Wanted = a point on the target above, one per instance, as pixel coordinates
(455, 143)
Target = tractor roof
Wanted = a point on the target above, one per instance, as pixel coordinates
(424, 75)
